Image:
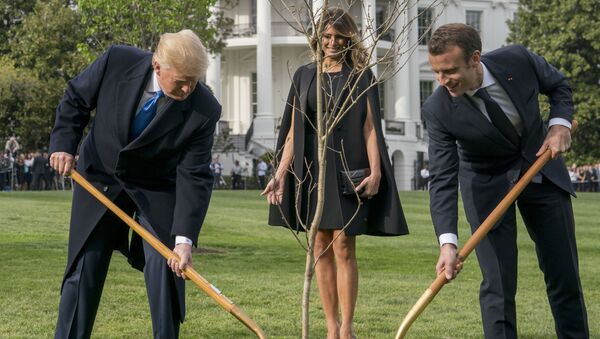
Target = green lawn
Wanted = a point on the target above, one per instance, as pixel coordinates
(260, 268)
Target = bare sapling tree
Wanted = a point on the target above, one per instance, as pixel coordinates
(397, 31)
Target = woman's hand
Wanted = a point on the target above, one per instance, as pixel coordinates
(274, 190)
(369, 186)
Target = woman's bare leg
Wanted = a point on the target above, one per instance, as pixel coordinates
(344, 249)
(327, 281)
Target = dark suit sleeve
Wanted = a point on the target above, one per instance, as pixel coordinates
(443, 169)
(194, 181)
(73, 112)
(554, 85)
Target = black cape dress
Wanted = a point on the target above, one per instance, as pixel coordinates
(382, 215)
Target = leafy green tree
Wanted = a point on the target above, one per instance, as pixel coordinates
(43, 57)
(23, 110)
(47, 40)
(51, 41)
(11, 14)
(567, 34)
(140, 23)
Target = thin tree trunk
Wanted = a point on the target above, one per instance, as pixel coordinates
(308, 276)
(316, 221)
(310, 255)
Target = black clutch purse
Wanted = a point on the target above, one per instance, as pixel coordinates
(350, 179)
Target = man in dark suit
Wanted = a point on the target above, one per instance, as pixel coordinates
(38, 172)
(485, 130)
(149, 151)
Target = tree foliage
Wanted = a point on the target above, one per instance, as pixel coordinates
(48, 42)
(43, 56)
(23, 108)
(567, 34)
(11, 14)
(139, 23)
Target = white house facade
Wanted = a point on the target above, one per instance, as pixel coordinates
(252, 76)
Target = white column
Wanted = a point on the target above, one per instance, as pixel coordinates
(413, 64)
(402, 82)
(264, 123)
(369, 27)
(213, 75)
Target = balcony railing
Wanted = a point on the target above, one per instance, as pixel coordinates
(243, 30)
(282, 28)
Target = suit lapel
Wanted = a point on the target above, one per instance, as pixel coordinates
(128, 96)
(468, 114)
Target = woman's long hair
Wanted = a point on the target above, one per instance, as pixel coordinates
(356, 55)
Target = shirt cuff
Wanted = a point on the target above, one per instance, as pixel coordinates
(448, 238)
(559, 121)
(179, 239)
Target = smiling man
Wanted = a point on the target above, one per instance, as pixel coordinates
(485, 130)
(149, 151)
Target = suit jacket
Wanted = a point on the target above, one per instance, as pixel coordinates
(465, 147)
(165, 170)
(39, 165)
(385, 215)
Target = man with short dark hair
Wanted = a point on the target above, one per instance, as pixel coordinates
(485, 131)
(149, 151)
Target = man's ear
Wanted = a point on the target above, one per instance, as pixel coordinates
(476, 57)
(155, 65)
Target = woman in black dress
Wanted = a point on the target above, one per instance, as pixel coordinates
(355, 144)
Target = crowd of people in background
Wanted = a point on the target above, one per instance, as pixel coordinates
(585, 178)
(30, 171)
(242, 175)
(22, 170)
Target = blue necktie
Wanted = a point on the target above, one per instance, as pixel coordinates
(145, 115)
(498, 117)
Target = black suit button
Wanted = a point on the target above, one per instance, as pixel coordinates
(105, 189)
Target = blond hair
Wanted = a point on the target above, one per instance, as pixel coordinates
(183, 51)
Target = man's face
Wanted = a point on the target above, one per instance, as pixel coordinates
(174, 84)
(454, 73)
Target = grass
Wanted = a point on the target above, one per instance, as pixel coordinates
(260, 268)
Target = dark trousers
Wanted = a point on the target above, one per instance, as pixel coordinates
(548, 217)
(236, 182)
(82, 287)
(37, 184)
(262, 182)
